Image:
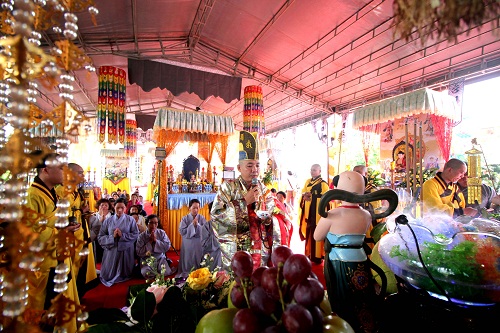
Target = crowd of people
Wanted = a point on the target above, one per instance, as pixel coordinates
(124, 241)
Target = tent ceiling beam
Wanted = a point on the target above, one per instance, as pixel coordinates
(311, 59)
(265, 29)
(202, 14)
(328, 38)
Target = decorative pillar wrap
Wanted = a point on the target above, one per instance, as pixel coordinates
(130, 137)
(253, 114)
(111, 104)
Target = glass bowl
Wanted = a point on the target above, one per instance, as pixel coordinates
(467, 271)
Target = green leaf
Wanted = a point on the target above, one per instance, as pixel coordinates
(377, 231)
(113, 327)
(143, 307)
(106, 315)
(174, 314)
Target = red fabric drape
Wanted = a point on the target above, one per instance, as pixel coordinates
(443, 129)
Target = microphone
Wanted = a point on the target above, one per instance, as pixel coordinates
(255, 182)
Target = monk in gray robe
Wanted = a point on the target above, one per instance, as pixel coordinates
(190, 230)
(117, 237)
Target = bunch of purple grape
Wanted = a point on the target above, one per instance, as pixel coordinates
(283, 298)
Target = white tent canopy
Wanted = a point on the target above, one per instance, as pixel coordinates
(405, 105)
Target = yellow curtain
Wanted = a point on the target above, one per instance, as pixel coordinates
(167, 139)
(124, 184)
(221, 148)
(206, 151)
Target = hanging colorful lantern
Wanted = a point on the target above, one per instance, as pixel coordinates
(111, 104)
(253, 114)
(130, 137)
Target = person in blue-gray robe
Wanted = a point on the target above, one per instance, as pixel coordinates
(191, 249)
(210, 244)
(154, 242)
(117, 237)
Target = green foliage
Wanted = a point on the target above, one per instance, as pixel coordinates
(143, 307)
(378, 230)
(374, 178)
(268, 178)
(494, 181)
(427, 174)
(446, 265)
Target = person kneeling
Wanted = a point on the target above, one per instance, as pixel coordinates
(153, 242)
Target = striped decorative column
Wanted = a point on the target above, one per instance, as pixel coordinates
(253, 114)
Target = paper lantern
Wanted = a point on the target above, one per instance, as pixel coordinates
(253, 114)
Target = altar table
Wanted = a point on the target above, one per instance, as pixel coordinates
(177, 205)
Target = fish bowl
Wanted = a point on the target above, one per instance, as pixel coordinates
(452, 261)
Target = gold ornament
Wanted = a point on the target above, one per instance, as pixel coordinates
(15, 156)
(23, 61)
(77, 5)
(63, 119)
(6, 28)
(45, 19)
(71, 57)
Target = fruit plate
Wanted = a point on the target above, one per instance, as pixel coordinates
(263, 214)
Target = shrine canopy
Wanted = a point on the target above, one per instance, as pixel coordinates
(422, 101)
(170, 119)
(210, 131)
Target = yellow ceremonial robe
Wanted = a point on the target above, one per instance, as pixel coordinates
(42, 200)
(82, 235)
(309, 217)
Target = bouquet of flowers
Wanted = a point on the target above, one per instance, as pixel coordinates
(167, 306)
(206, 290)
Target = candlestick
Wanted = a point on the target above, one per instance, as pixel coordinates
(414, 162)
(407, 175)
(421, 158)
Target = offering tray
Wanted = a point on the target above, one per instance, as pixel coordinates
(465, 271)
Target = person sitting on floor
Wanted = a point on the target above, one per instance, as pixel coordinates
(154, 242)
(117, 237)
